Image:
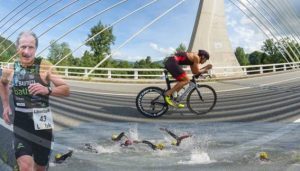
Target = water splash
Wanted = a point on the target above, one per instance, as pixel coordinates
(133, 132)
(108, 149)
(198, 158)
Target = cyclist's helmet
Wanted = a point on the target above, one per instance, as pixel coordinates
(203, 53)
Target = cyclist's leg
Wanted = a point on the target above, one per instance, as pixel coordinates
(178, 86)
(180, 75)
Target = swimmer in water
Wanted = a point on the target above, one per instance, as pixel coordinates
(59, 158)
(119, 137)
(159, 146)
(178, 139)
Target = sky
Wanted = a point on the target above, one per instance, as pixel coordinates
(158, 40)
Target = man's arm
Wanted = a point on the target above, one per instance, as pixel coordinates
(195, 67)
(170, 133)
(184, 136)
(61, 88)
(49, 75)
(4, 93)
(149, 144)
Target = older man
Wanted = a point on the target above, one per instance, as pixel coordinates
(30, 78)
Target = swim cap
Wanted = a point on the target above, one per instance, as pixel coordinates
(263, 156)
(114, 137)
(160, 146)
(58, 156)
(174, 142)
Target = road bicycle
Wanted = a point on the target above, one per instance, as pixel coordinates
(200, 98)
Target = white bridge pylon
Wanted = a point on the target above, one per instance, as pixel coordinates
(210, 33)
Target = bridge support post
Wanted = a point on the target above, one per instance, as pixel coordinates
(136, 74)
(109, 74)
(210, 33)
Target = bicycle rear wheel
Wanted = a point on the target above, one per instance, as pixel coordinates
(201, 99)
(151, 103)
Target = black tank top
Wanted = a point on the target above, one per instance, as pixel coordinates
(182, 58)
(22, 78)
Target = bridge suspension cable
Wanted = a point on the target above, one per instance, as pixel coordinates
(111, 25)
(28, 12)
(26, 22)
(134, 35)
(74, 28)
(281, 16)
(256, 23)
(266, 16)
(19, 12)
(50, 16)
(13, 10)
(277, 32)
(267, 28)
(290, 10)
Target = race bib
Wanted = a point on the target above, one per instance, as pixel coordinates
(42, 118)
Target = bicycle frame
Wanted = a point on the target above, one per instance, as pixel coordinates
(191, 86)
(155, 96)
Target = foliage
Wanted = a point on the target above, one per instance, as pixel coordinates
(281, 51)
(146, 63)
(58, 51)
(7, 48)
(100, 44)
(241, 56)
(255, 58)
(181, 48)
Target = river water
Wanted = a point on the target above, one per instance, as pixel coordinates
(213, 146)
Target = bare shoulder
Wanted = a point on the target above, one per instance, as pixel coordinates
(194, 57)
(47, 67)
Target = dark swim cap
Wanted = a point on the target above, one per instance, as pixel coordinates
(203, 53)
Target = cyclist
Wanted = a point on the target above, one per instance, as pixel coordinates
(178, 139)
(173, 63)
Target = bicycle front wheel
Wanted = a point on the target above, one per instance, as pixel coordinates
(151, 103)
(202, 99)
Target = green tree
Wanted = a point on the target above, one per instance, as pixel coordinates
(6, 53)
(241, 56)
(58, 51)
(292, 48)
(272, 51)
(87, 60)
(181, 48)
(123, 64)
(255, 58)
(100, 44)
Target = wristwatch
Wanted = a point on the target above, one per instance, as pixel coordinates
(50, 91)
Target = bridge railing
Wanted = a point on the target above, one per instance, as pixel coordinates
(141, 73)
